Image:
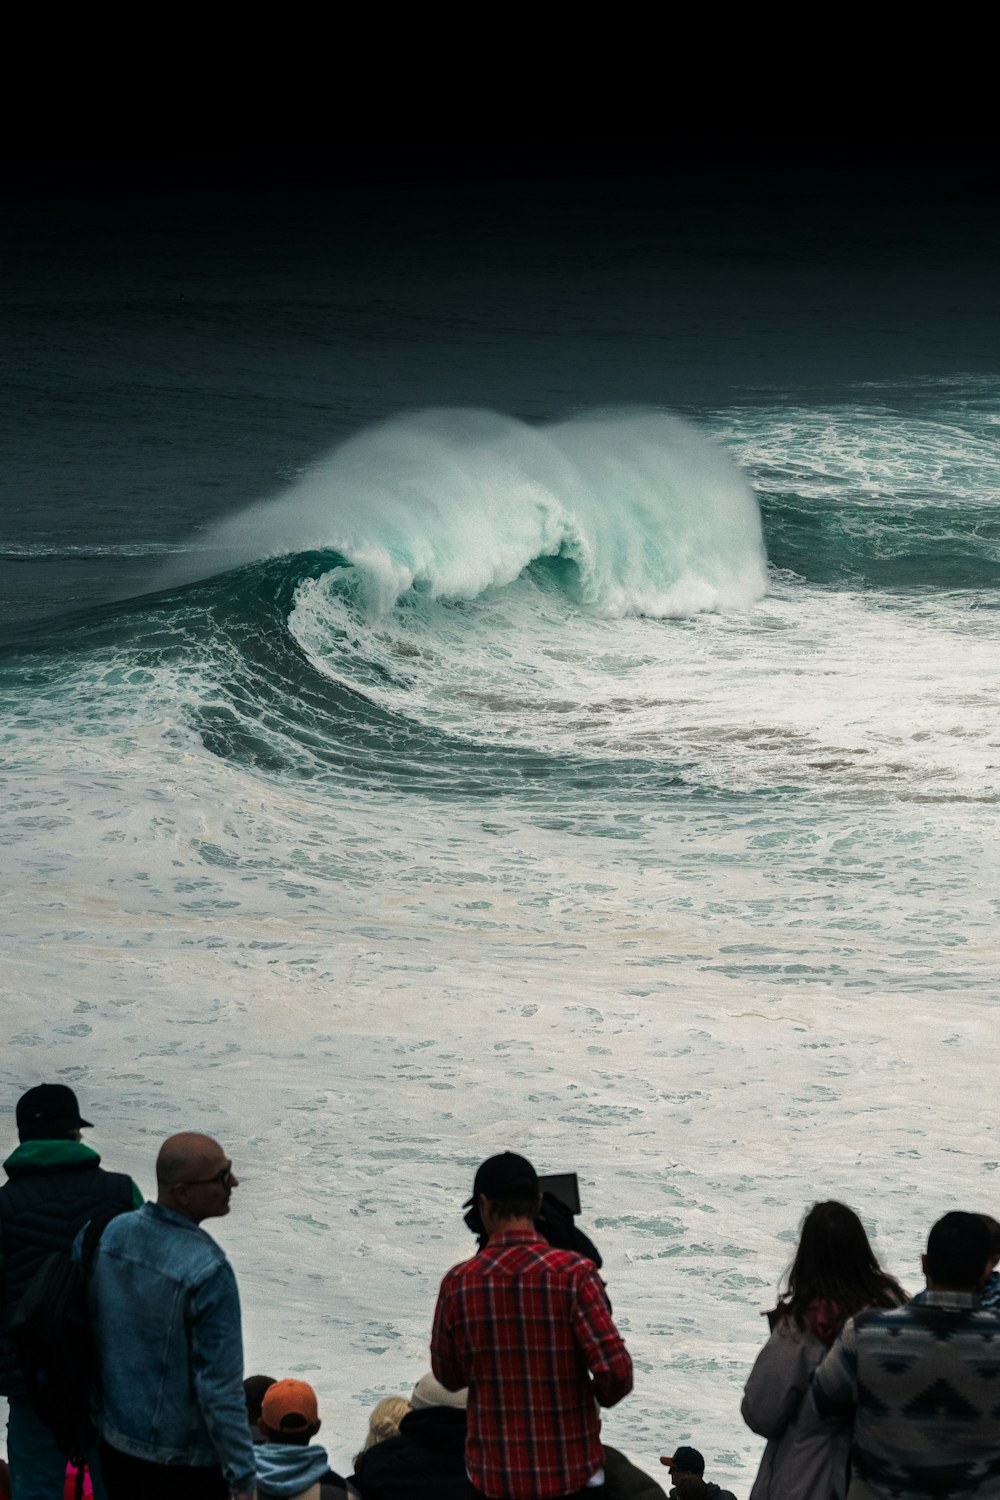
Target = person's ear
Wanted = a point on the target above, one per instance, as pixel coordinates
(316, 1427)
(923, 1264)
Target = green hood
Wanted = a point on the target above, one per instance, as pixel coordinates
(49, 1156)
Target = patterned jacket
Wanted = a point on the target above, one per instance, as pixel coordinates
(922, 1384)
(989, 1294)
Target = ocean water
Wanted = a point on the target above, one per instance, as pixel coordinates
(463, 692)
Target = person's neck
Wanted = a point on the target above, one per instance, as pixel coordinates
(165, 1200)
(502, 1226)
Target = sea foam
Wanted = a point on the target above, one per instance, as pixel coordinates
(654, 517)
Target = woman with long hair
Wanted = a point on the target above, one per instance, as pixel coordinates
(833, 1276)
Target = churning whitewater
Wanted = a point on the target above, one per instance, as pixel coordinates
(487, 786)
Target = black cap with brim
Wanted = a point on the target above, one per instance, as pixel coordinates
(507, 1178)
(50, 1109)
(686, 1460)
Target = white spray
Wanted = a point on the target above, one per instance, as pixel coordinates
(657, 519)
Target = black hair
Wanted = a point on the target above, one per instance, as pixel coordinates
(295, 1437)
(514, 1208)
(958, 1248)
(994, 1232)
(254, 1390)
(835, 1261)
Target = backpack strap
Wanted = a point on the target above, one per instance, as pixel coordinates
(95, 1228)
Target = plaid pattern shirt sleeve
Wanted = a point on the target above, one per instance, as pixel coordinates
(446, 1359)
(529, 1330)
(608, 1361)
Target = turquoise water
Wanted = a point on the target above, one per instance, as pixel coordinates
(619, 788)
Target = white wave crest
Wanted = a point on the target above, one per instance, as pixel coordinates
(657, 519)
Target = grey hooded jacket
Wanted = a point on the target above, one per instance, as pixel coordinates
(806, 1457)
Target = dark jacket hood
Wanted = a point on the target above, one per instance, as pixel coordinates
(440, 1428)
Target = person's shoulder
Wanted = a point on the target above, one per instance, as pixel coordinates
(520, 1256)
(463, 1276)
(121, 1228)
(382, 1453)
(114, 1187)
(127, 1233)
(110, 1176)
(874, 1317)
(554, 1256)
(877, 1317)
(209, 1259)
(874, 1323)
(531, 1252)
(464, 1268)
(986, 1318)
(787, 1330)
(184, 1247)
(566, 1264)
(989, 1295)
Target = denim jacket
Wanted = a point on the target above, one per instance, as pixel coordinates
(167, 1313)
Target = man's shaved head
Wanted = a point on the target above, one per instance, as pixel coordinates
(194, 1176)
(185, 1157)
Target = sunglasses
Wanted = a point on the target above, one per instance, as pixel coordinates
(219, 1180)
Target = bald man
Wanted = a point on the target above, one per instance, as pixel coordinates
(173, 1417)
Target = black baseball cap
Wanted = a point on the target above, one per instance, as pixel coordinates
(687, 1460)
(48, 1110)
(507, 1178)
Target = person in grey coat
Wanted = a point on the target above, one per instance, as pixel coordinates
(833, 1276)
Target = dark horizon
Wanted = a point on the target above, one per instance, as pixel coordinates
(110, 158)
(184, 329)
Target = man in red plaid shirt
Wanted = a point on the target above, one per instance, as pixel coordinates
(528, 1329)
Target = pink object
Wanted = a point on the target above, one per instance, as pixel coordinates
(69, 1489)
(825, 1319)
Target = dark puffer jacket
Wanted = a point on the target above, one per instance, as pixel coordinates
(624, 1480)
(697, 1489)
(425, 1462)
(54, 1188)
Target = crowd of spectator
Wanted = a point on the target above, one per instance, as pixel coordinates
(861, 1391)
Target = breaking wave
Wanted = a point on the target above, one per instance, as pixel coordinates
(649, 515)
